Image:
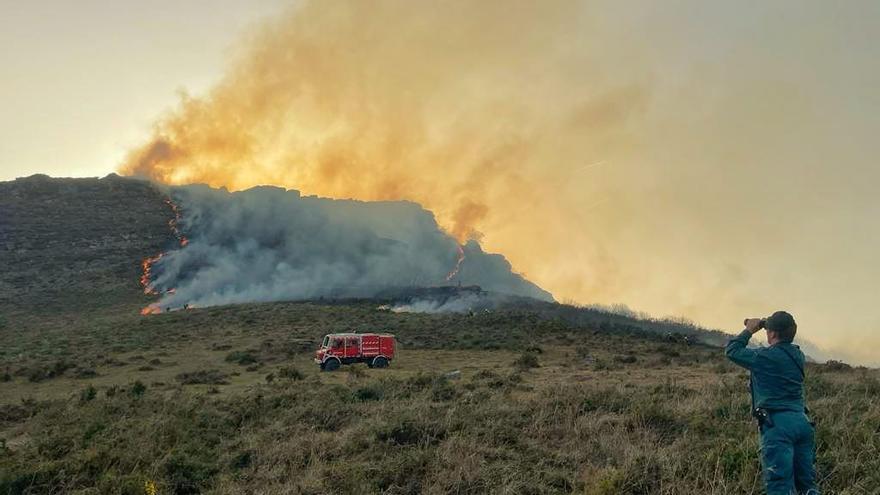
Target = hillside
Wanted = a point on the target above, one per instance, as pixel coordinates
(73, 245)
(522, 396)
(76, 245)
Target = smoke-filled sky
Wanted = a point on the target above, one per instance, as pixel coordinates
(713, 160)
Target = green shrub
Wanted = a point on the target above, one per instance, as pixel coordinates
(833, 365)
(355, 372)
(241, 357)
(526, 361)
(369, 393)
(88, 393)
(137, 389)
(410, 432)
(291, 373)
(443, 390)
(187, 474)
(55, 370)
(84, 373)
(208, 377)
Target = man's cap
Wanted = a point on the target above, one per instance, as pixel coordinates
(781, 322)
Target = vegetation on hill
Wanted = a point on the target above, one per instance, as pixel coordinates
(95, 398)
(226, 400)
(76, 245)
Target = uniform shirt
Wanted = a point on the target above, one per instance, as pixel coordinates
(777, 382)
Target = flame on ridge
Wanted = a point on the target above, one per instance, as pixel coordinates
(147, 264)
(458, 262)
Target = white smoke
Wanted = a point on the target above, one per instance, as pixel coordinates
(270, 244)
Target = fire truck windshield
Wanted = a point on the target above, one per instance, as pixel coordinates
(325, 342)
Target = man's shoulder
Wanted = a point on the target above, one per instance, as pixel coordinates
(783, 352)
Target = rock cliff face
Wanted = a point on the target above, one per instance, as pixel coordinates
(77, 244)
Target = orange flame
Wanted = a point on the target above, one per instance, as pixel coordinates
(455, 270)
(147, 264)
(174, 223)
(152, 309)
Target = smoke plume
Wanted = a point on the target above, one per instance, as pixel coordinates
(613, 151)
(455, 106)
(270, 244)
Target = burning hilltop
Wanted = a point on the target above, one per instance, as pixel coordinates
(270, 244)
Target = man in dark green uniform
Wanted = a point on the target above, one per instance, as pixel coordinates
(777, 387)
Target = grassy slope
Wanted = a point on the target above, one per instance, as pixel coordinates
(225, 400)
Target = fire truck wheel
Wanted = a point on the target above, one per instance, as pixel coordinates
(380, 362)
(330, 365)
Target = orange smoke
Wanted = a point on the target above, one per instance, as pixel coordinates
(482, 112)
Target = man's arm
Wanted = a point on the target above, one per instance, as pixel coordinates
(738, 352)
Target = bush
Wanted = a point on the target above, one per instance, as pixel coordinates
(833, 365)
(88, 393)
(443, 390)
(369, 393)
(36, 375)
(137, 389)
(85, 373)
(207, 377)
(241, 357)
(291, 373)
(186, 474)
(355, 372)
(526, 361)
(602, 365)
(641, 475)
(411, 432)
(666, 424)
(57, 369)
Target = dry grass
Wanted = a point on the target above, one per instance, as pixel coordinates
(600, 414)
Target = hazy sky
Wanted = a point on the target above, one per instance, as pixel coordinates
(83, 80)
(713, 160)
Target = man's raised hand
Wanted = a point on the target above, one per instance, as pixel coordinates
(753, 324)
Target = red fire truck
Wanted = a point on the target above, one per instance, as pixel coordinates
(377, 350)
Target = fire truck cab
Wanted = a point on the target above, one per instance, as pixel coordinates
(377, 350)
